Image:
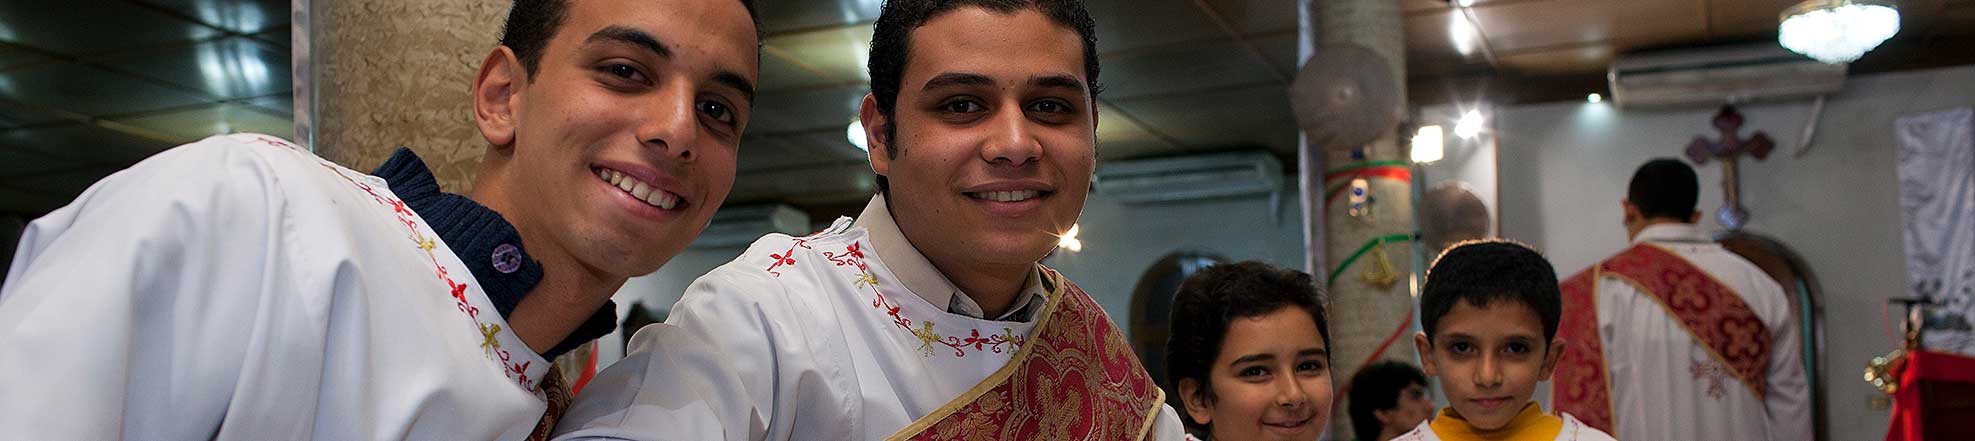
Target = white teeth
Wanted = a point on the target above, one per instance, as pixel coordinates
(639, 189)
(1008, 196)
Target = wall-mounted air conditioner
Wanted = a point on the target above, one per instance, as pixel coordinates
(1190, 177)
(1713, 76)
(740, 226)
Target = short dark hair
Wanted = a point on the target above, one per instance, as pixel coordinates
(1376, 387)
(1664, 188)
(1485, 271)
(532, 23)
(1213, 298)
(891, 42)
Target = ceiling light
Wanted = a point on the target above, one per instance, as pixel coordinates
(1429, 144)
(1594, 98)
(856, 135)
(1464, 3)
(1837, 31)
(1462, 32)
(1069, 240)
(1469, 126)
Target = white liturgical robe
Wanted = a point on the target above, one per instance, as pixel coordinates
(240, 288)
(809, 338)
(1666, 385)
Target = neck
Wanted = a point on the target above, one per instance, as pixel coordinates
(994, 287)
(569, 292)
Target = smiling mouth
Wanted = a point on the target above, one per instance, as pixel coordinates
(640, 190)
(1006, 196)
(1289, 425)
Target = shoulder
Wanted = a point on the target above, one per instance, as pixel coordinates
(1422, 432)
(1575, 430)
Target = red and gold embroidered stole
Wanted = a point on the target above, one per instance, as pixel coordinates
(1710, 311)
(1076, 378)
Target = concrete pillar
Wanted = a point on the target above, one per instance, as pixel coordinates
(375, 75)
(1363, 316)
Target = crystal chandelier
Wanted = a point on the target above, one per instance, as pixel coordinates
(1837, 31)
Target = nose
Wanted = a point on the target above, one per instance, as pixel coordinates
(1290, 392)
(1011, 141)
(670, 122)
(1489, 373)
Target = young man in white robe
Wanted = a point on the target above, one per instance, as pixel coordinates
(1676, 337)
(928, 317)
(241, 288)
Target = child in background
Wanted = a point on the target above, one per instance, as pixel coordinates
(1490, 311)
(1387, 399)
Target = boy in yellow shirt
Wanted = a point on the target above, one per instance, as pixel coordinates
(1490, 311)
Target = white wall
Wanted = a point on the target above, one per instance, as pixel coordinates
(1120, 242)
(1565, 167)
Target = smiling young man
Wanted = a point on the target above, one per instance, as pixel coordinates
(928, 317)
(242, 288)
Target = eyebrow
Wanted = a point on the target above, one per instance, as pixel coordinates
(632, 36)
(642, 39)
(737, 82)
(1058, 82)
(953, 79)
(1314, 351)
(1252, 357)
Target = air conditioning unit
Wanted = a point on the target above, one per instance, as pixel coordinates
(740, 226)
(1716, 75)
(1190, 177)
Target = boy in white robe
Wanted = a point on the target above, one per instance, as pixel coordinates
(242, 288)
(1489, 314)
(928, 317)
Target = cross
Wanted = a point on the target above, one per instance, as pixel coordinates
(1729, 148)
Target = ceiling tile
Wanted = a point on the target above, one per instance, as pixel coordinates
(1257, 16)
(193, 124)
(1431, 48)
(13, 114)
(231, 68)
(243, 16)
(88, 90)
(278, 104)
(1249, 117)
(1209, 64)
(1584, 59)
(53, 26)
(11, 57)
(1515, 27)
(805, 110)
(75, 145)
(778, 16)
(1132, 24)
(837, 55)
(1280, 51)
(1745, 17)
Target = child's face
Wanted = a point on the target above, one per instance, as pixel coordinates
(1488, 359)
(1271, 380)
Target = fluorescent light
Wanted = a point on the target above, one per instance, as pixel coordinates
(1837, 31)
(1469, 126)
(1465, 3)
(1594, 98)
(856, 135)
(1428, 144)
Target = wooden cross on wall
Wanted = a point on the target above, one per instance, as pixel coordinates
(1728, 149)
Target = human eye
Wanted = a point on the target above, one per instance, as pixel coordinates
(624, 74)
(717, 110)
(961, 106)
